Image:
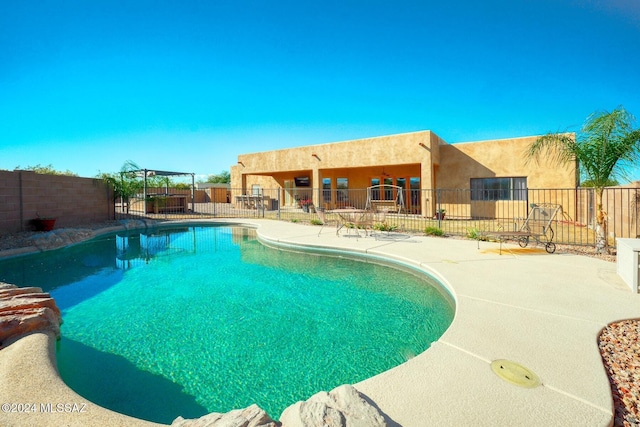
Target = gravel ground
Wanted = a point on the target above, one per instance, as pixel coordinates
(620, 351)
(619, 342)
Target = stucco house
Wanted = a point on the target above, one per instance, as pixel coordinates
(492, 170)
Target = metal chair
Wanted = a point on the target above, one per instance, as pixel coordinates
(325, 220)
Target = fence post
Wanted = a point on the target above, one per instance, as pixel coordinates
(279, 204)
(438, 207)
(21, 201)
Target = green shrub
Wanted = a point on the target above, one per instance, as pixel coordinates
(316, 222)
(476, 234)
(433, 231)
(295, 220)
(383, 226)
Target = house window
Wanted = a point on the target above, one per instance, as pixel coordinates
(375, 192)
(498, 189)
(255, 190)
(326, 189)
(414, 188)
(343, 189)
(388, 192)
(402, 183)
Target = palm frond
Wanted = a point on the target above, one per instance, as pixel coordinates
(605, 148)
(558, 148)
(612, 143)
(610, 126)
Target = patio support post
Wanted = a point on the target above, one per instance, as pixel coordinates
(144, 192)
(193, 193)
(279, 202)
(316, 179)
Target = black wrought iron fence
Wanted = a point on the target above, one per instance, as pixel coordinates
(462, 212)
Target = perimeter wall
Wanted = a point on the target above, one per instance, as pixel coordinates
(71, 200)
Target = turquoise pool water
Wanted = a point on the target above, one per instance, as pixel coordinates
(186, 321)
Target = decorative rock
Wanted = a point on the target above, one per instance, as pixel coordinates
(26, 310)
(343, 406)
(61, 237)
(620, 349)
(136, 224)
(251, 416)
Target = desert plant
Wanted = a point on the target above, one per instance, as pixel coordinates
(316, 222)
(433, 231)
(383, 226)
(476, 233)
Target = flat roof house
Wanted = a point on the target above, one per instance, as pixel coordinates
(412, 161)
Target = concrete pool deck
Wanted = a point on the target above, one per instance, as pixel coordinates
(542, 311)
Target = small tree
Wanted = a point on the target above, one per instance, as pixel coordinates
(604, 149)
(47, 170)
(125, 183)
(223, 177)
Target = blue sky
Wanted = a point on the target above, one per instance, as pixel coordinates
(189, 85)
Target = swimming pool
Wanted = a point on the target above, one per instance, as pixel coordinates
(185, 321)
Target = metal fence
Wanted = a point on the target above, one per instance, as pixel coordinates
(456, 212)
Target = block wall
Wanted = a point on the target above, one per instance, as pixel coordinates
(73, 201)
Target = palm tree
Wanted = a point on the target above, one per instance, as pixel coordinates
(604, 149)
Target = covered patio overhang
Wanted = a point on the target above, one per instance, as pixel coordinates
(146, 173)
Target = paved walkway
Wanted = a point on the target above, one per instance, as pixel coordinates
(542, 311)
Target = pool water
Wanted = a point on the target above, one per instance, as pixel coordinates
(192, 320)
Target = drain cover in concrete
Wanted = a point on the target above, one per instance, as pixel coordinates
(515, 373)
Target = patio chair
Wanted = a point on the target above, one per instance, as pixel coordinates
(536, 226)
(364, 221)
(322, 216)
(356, 220)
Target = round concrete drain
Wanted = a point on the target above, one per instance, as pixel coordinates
(515, 373)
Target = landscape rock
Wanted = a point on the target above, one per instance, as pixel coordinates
(344, 406)
(60, 237)
(26, 310)
(251, 416)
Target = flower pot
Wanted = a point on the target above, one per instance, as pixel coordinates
(305, 208)
(45, 224)
(439, 215)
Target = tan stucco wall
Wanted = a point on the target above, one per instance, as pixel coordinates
(393, 149)
(404, 155)
(499, 158)
(419, 154)
(502, 158)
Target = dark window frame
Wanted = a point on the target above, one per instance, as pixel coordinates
(498, 188)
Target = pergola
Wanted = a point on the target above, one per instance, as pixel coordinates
(154, 172)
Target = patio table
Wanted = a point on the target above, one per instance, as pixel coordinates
(353, 218)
